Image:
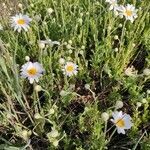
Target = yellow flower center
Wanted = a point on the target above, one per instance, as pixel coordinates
(120, 123)
(32, 71)
(70, 68)
(128, 13)
(21, 21)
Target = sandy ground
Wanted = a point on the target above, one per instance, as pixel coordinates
(7, 7)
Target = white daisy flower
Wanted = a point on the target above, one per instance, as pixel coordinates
(122, 121)
(113, 4)
(32, 71)
(19, 22)
(128, 11)
(70, 69)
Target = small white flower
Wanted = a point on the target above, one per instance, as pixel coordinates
(32, 71)
(113, 4)
(19, 22)
(122, 121)
(70, 69)
(128, 11)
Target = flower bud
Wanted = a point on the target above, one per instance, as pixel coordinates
(63, 93)
(116, 49)
(25, 134)
(55, 143)
(81, 14)
(81, 52)
(37, 116)
(20, 5)
(38, 88)
(144, 100)
(44, 23)
(87, 86)
(68, 46)
(116, 37)
(70, 42)
(148, 91)
(120, 25)
(82, 47)
(27, 58)
(62, 61)
(70, 51)
(105, 116)
(54, 133)
(41, 45)
(119, 104)
(133, 44)
(51, 111)
(50, 11)
(139, 104)
(65, 43)
(146, 72)
(32, 5)
(37, 17)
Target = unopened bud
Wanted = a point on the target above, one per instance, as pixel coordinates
(105, 116)
(119, 104)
